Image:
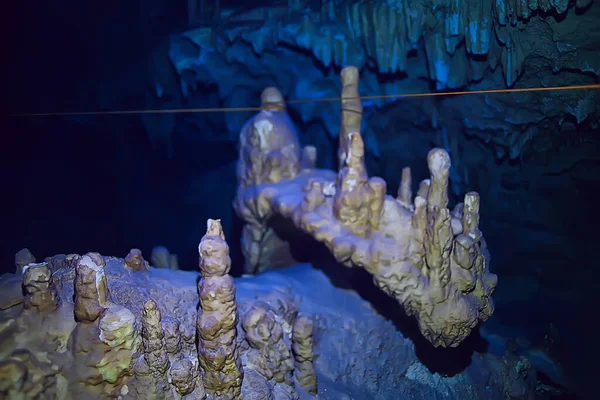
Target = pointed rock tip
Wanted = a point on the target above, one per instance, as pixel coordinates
(214, 227)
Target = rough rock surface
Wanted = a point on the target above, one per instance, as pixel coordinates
(437, 274)
(358, 352)
(451, 43)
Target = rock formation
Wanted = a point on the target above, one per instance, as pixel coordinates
(268, 354)
(216, 329)
(134, 340)
(408, 245)
(409, 47)
(302, 338)
(135, 261)
(269, 153)
(91, 291)
(40, 292)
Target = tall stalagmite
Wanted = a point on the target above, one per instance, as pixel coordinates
(221, 367)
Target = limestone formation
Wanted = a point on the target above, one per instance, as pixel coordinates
(135, 261)
(351, 111)
(155, 351)
(40, 293)
(269, 153)
(221, 367)
(183, 376)
(269, 354)
(405, 190)
(116, 345)
(358, 200)
(91, 291)
(172, 335)
(23, 376)
(409, 246)
(118, 330)
(303, 353)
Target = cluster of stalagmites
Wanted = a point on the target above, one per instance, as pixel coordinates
(432, 260)
(119, 355)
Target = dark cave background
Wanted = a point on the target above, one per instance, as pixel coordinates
(102, 183)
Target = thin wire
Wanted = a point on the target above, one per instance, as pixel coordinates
(316, 100)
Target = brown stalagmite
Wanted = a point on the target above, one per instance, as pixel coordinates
(419, 226)
(424, 188)
(217, 317)
(405, 189)
(172, 335)
(470, 216)
(135, 261)
(378, 189)
(438, 235)
(438, 161)
(183, 376)
(153, 338)
(302, 344)
(91, 291)
(269, 152)
(269, 355)
(351, 111)
(358, 201)
(40, 292)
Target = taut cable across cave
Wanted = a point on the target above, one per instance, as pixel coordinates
(321, 100)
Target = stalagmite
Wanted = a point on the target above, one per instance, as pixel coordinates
(269, 355)
(358, 201)
(135, 261)
(405, 189)
(218, 355)
(153, 338)
(302, 338)
(91, 291)
(40, 292)
(470, 216)
(351, 111)
(270, 152)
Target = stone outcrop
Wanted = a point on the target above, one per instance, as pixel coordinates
(302, 338)
(216, 329)
(408, 245)
(268, 354)
(135, 261)
(270, 152)
(91, 291)
(40, 293)
(133, 341)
